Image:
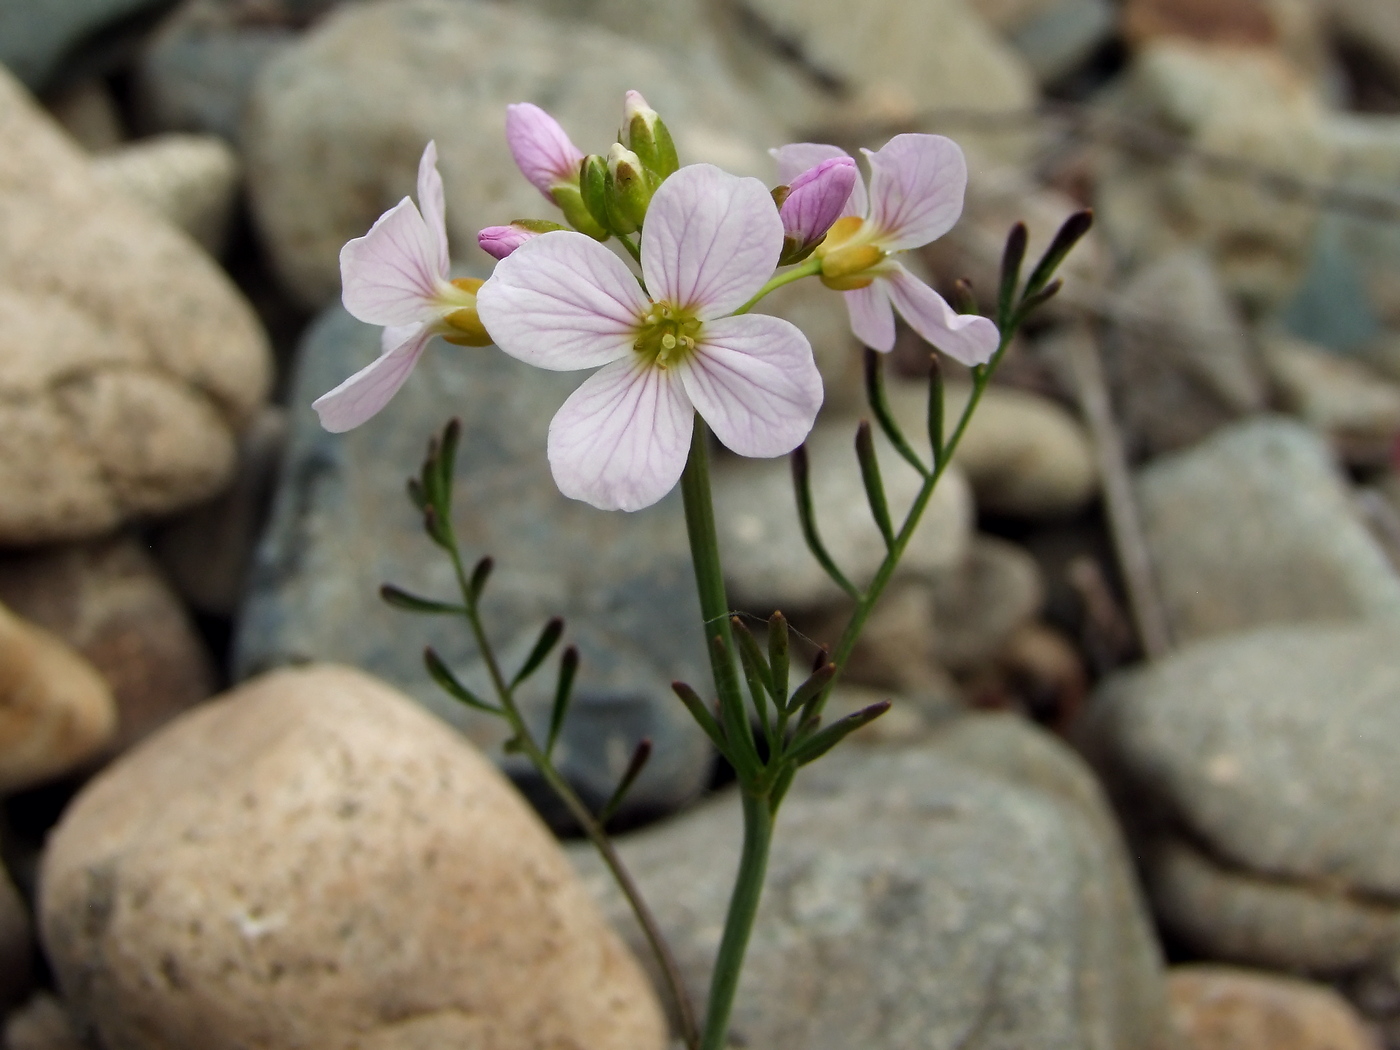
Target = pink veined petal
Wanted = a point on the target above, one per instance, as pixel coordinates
(562, 301)
(369, 389)
(432, 204)
(541, 148)
(710, 241)
(964, 337)
(872, 316)
(755, 383)
(621, 440)
(916, 189)
(816, 198)
(390, 276)
(500, 241)
(797, 157)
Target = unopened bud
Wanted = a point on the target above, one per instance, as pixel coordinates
(579, 216)
(628, 189)
(646, 135)
(812, 204)
(500, 241)
(593, 184)
(542, 149)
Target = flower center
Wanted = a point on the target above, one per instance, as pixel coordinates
(666, 335)
(459, 322)
(847, 254)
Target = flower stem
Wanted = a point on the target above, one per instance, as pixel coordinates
(738, 923)
(812, 266)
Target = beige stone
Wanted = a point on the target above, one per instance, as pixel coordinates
(43, 1023)
(1354, 405)
(1225, 1008)
(313, 860)
(188, 180)
(56, 712)
(130, 358)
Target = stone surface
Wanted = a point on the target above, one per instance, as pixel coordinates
(1024, 455)
(108, 600)
(1372, 25)
(336, 124)
(1221, 1008)
(16, 944)
(43, 1023)
(1258, 768)
(88, 111)
(56, 712)
(188, 180)
(1248, 104)
(969, 891)
(331, 866)
(207, 550)
(1180, 363)
(979, 605)
(36, 34)
(767, 562)
(131, 360)
(341, 526)
(1058, 38)
(1257, 526)
(1357, 408)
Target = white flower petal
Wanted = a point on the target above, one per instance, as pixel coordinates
(390, 276)
(432, 203)
(872, 317)
(562, 301)
(710, 241)
(755, 383)
(369, 389)
(964, 337)
(797, 157)
(621, 440)
(916, 189)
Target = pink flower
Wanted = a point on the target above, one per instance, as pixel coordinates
(500, 241)
(541, 148)
(564, 302)
(396, 276)
(916, 195)
(814, 201)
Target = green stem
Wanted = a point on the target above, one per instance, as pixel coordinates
(738, 924)
(813, 265)
(632, 249)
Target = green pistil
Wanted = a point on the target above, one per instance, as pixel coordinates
(667, 335)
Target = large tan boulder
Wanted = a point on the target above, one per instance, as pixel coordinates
(130, 358)
(315, 861)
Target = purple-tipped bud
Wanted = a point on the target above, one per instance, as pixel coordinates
(541, 148)
(500, 241)
(814, 201)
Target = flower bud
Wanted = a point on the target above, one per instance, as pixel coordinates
(541, 148)
(629, 191)
(579, 216)
(593, 184)
(813, 202)
(500, 241)
(646, 135)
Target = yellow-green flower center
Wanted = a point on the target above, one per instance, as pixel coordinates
(666, 335)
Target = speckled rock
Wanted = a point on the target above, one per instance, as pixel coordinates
(109, 601)
(1257, 526)
(188, 180)
(1221, 1008)
(337, 123)
(341, 526)
(330, 866)
(131, 360)
(1256, 769)
(967, 891)
(56, 712)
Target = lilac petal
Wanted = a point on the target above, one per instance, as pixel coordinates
(390, 276)
(562, 301)
(872, 316)
(369, 389)
(710, 241)
(755, 383)
(433, 204)
(964, 337)
(500, 241)
(797, 157)
(916, 189)
(621, 440)
(541, 148)
(816, 199)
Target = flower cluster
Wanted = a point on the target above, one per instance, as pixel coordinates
(678, 339)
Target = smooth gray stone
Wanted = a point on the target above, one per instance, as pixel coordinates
(35, 35)
(969, 892)
(342, 525)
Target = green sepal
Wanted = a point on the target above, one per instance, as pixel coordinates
(537, 225)
(593, 186)
(570, 200)
(652, 144)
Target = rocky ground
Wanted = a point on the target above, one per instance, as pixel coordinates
(1141, 784)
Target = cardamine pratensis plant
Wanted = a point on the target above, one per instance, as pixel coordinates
(678, 356)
